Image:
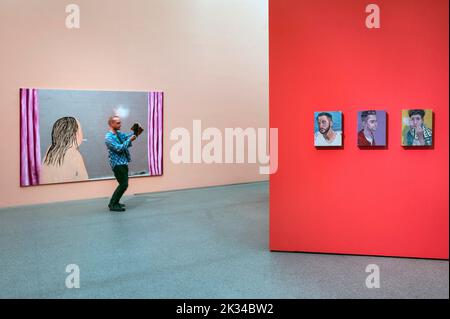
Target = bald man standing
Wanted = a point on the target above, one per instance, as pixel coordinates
(119, 157)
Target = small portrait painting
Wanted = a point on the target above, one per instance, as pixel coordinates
(417, 127)
(371, 128)
(328, 128)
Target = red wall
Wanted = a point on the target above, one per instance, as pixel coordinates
(393, 201)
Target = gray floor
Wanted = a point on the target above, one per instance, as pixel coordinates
(203, 243)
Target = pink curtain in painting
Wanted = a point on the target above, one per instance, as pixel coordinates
(30, 144)
(155, 127)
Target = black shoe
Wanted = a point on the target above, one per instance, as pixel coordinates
(116, 208)
(120, 204)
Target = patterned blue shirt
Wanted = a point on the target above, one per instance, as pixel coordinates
(118, 152)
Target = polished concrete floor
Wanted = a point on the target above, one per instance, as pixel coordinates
(201, 243)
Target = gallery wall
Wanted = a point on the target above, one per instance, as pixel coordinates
(209, 57)
(390, 201)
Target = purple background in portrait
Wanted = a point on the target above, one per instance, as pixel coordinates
(380, 134)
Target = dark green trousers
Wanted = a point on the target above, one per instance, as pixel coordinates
(121, 174)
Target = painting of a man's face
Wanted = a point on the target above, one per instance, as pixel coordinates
(417, 128)
(371, 126)
(328, 128)
(324, 124)
(416, 121)
(371, 123)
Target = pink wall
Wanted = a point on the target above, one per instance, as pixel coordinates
(209, 57)
(392, 201)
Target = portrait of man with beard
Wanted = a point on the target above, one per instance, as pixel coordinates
(328, 129)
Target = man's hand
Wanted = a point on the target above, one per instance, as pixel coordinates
(420, 135)
(133, 137)
(419, 131)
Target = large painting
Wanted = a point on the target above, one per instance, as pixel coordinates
(63, 134)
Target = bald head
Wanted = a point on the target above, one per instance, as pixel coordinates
(114, 122)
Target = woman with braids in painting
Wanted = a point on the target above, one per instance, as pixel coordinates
(63, 161)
